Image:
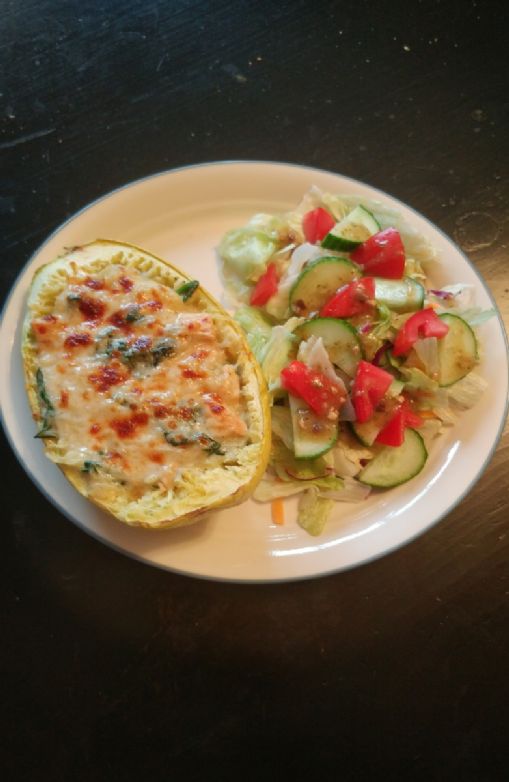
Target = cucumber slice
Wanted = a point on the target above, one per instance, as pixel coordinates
(318, 281)
(352, 230)
(367, 433)
(457, 351)
(312, 436)
(393, 466)
(339, 338)
(406, 295)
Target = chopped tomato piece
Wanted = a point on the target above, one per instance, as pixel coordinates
(265, 287)
(317, 224)
(322, 395)
(369, 387)
(413, 420)
(382, 255)
(355, 298)
(424, 323)
(393, 433)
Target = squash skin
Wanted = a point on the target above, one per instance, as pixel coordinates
(183, 510)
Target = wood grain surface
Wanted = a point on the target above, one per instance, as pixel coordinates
(396, 670)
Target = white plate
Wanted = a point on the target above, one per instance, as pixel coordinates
(181, 215)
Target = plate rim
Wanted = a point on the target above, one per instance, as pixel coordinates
(268, 579)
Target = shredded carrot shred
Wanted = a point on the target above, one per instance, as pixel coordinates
(427, 414)
(278, 511)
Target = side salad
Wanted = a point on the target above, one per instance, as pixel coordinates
(366, 362)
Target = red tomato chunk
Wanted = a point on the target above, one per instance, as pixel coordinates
(317, 224)
(266, 287)
(355, 298)
(424, 323)
(322, 395)
(369, 388)
(382, 255)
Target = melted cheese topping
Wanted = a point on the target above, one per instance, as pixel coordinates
(137, 381)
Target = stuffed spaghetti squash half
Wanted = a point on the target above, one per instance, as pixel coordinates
(144, 389)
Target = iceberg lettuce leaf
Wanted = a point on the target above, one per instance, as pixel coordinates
(314, 511)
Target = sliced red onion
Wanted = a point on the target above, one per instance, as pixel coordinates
(377, 358)
(366, 328)
(442, 294)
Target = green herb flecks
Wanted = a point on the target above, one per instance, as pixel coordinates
(162, 349)
(133, 314)
(210, 445)
(90, 466)
(118, 345)
(141, 350)
(107, 331)
(46, 407)
(207, 443)
(176, 438)
(186, 290)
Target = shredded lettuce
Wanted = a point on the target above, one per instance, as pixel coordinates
(462, 302)
(395, 388)
(468, 391)
(257, 327)
(246, 253)
(462, 294)
(446, 416)
(314, 511)
(279, 350)
(417, 380)
(475, 316)
(348, 454)
(336, 206)
(270, 225)
(287, 467)
(352, 491)
(427, 352)
(271, 488)
(282, 425)
(413, 269)
(384, 321)
(310, 200)
(278, 304)
(312, 352)
(429, 430)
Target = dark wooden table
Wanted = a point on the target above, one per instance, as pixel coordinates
(396, 670)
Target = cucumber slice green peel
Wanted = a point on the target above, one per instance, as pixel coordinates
(351, 231)
(394, 466)
(457, 351)
(318, 281)
(367, 433)
(406, 295)
(312, 436)
(340, 340)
